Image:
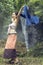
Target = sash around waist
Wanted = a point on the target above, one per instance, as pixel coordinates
(12, 31)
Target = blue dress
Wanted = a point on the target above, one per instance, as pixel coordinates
(29, 19)
(35, 19)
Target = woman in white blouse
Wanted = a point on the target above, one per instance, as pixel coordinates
(10, 47)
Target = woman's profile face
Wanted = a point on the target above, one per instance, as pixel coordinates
(14, 15)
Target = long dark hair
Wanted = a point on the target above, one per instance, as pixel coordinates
(16, 13)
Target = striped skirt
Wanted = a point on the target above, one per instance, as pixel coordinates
(10, 47)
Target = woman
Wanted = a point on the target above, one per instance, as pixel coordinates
(10, 47)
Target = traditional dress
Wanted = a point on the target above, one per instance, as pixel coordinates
(10, 51)
(29, 28)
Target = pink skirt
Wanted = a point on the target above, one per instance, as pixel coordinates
(10, 47)
(11, 41)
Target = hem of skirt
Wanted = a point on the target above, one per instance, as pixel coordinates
(9, 53)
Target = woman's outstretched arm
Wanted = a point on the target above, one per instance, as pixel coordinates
(20, 11)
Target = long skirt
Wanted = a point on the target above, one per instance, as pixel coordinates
(10, 47)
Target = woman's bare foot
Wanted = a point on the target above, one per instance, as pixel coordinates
(16, 60)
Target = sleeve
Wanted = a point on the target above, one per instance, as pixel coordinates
(22, 15)
(34, 19)
(8, 29)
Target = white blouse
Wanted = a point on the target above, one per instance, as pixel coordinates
(12, 28)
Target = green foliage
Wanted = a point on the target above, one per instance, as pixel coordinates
(18, 4)
(6, 7)
(9, 6)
